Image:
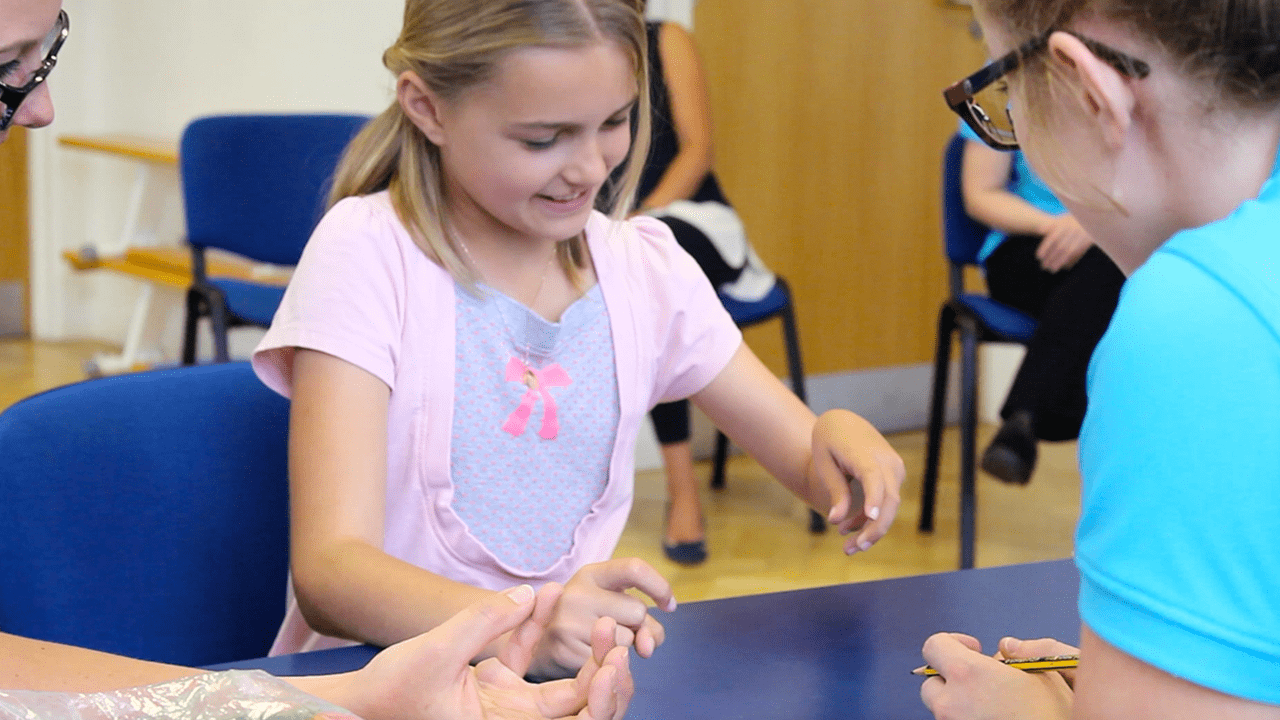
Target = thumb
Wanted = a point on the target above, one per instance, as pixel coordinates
(479, 624)
(1015, 648)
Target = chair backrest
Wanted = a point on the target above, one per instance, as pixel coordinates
(147, 515)
(256, 184)
(962, 235)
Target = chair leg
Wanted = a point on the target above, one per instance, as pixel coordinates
(968, 443)
(189, 339)
(219, 323)
(791, 339)
(795, 368)
(722, 456)
(937, 408)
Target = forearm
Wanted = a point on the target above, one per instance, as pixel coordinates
(682, 179)
(1008, 213)
(39, 665)
(762, 416)
(355, 591)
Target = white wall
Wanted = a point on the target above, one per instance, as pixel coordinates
(150, 66)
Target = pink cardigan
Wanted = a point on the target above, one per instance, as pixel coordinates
(364, 292)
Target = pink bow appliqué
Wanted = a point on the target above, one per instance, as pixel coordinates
(539, 382)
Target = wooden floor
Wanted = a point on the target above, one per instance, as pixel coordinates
(757, 532)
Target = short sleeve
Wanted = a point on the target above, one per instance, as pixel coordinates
(1180, 458)
(345, 297)
(693, 335)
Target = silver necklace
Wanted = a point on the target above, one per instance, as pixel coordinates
(524, 351)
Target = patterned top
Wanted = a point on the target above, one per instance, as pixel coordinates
(519, 493)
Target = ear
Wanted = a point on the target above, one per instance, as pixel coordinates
(421, 105)
(1105, 94)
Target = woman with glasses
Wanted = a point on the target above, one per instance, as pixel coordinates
(1039, 260)
(429, 676)
(1157, 123)
(29, 46)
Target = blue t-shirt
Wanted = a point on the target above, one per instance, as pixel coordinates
(1179, 537)
(1024, 183)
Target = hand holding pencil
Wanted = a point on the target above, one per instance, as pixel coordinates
(1025, 679)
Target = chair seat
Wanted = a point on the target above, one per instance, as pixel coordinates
(251, 302)
(749, 313)
(1009, 324)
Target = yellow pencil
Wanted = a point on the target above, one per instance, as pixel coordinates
(1035, 665)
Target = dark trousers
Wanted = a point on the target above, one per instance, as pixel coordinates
(671, 420)
(1073, 308)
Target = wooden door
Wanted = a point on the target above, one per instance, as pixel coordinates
(829, 129)
(14, 236)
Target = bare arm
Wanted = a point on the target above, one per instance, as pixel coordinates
(1112, 684)
(345, 583)
(38, 665)
(984, 180)
(984, 177)
(690, 116)
(815, 458)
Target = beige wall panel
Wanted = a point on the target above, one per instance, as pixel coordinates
(829, 133)
(14, 234)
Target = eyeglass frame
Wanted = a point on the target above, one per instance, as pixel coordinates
(12, 97)
(960, 96)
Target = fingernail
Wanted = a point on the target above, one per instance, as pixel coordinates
(850, 548)
(671, 604)
(865, 545)
(874, 513)
(520, 594)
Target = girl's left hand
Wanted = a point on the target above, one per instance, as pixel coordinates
(861, 473)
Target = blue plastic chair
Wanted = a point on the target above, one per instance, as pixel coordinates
(147, 515)
(978, 318)
(255, 185)
(775, 304)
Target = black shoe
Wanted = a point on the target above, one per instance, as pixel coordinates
(1011, 456)
(687, 553)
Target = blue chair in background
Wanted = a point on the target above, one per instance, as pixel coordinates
(775, 304)
(978, 318)
(255, 185)
(147, 515)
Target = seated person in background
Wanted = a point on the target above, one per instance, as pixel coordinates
(679, 188)
(1039, 260)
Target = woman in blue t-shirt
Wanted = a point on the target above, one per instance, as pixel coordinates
(1158, 124)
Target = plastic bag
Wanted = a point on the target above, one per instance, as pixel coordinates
(230, 695)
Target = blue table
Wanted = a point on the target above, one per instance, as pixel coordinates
(843, 651)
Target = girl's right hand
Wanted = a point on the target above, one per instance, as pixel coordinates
(600, 590)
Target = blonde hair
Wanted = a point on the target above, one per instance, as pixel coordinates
(453, 45)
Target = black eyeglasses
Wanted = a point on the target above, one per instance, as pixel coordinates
(982, 99)
(12, 96)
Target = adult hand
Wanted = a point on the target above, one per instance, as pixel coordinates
(1063, 244)
(972, 686)
(862, 474)
(429, 677)
(599, 590)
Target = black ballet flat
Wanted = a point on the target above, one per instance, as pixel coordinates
(686, 553)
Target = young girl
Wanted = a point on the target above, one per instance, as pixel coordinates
(1157, 123)
(470, 348)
